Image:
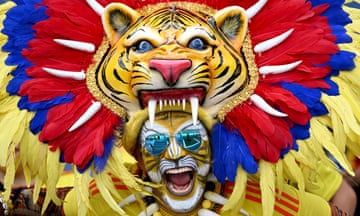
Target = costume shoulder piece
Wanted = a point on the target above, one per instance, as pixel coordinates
(270, 89)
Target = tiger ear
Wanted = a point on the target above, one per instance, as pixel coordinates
(116, 20)
(233, 23)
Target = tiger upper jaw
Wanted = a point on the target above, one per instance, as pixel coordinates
(172, 99)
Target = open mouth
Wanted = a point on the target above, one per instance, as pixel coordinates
(172, 98)
(179, 181)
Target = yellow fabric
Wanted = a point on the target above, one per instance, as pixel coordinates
(309, 204)
(327, 181)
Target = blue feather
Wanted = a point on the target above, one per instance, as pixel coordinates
(300, 131)
(218, 137)
(14, 85)
(310, 97)
(229, 150)
(100, 162)
(25, 104)
(353, 4)
(343, 60)
(38, 121)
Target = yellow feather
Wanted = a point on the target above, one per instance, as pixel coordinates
(9, 125)
(236, 199)
(53, 171)
(279, 169)
(102, 183)
(293, 170)
(10, 171)
(82, 191)
(326, 140)
(267, 186)
(5, 7)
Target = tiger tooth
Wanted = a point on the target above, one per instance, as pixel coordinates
(183, 104)
(160, 104)
(194, 102)
(151, 110)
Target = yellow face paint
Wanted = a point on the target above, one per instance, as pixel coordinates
(176, 153)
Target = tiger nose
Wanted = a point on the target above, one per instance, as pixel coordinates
(170, 69)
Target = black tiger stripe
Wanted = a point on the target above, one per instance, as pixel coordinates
(118, 77)
(197, 79)
(223, 73)
(221, 57)
(121, 63)
(198, 66)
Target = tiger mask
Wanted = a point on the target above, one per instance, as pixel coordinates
(172, 58)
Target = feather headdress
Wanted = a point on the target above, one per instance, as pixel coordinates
(305, 98)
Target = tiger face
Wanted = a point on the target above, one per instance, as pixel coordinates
(176, 153)
(172, 57)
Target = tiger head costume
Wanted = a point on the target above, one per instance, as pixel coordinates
(173, 57)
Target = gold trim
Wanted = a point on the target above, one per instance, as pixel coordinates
(253, 80)
(191, 6)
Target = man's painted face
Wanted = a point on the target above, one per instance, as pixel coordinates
(176, 153)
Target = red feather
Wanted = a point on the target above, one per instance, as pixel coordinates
(265, 135)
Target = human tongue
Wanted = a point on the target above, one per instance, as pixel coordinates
(180, 178)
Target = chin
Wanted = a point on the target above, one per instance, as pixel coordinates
(182, 204)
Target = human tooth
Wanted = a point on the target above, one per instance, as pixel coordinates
(173, 102)
(194, 102)
(161, 104)
(183, 103)
(165, 102)
(151, 110)
(178, 102)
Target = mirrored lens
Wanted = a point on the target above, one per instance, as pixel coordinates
(189, 139)
(155, 144)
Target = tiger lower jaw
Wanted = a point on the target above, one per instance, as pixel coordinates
(179, 181)
(175, 104)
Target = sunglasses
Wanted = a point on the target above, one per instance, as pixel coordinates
(190, 140)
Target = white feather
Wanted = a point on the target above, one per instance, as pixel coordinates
(253, 10)
(98, 8)
(78, 45)
(75, 75)
(277, 69)
(269, 44)
(90, 112)
(263, 105)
